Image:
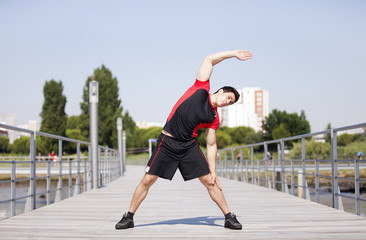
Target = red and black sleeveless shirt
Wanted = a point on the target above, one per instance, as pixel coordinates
(193, 111)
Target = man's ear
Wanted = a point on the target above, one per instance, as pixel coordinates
(221, 90)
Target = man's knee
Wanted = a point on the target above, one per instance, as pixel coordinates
(148, 180)
(206, 180)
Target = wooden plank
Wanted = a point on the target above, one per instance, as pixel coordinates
(183, 210)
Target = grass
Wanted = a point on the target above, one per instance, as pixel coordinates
(137, 159)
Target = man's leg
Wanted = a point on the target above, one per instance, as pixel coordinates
(140, 193)
(215, 193)
(218, 197)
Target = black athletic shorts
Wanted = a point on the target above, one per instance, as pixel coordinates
(171, 153)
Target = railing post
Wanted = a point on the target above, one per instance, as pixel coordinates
(13, 189)
(334, 169)
(78, 168)
(266, 163)
(90, 166)
(70, 177)
(247, 170)
(357, 187)
(274, 171)
(60, 166)
(283, 176)
(48, 182)
(226, 164)
(119, 134)
(233, 164)
(124, 151)
(85, 176)
(303, 163)
(292, 177)
(317, 180)
(259, 172)
(33, 170)
(241, 163)
(252, 158)
(100, 166)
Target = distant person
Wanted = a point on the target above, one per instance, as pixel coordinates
(52, 156)
(177, 146)
(269, 156)
(238, 156)
(360, 155)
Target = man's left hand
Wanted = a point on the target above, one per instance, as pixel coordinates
(215, 180)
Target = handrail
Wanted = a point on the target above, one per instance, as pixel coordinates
(274, 173)
(77, 169)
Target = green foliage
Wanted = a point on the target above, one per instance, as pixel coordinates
(73, 122)
(253, 137)
(350, 151)
(292, 122)
(239, 134)
(280, 132)
(223, 139)
(53, 114)
(74, 134)
(313, 150)
(345, 139)
(142, 136)
(4, 144)
(21, 145)
(327, 136)
(130, 127)
(109, 107)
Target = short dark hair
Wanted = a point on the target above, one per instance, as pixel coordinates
(230, 89)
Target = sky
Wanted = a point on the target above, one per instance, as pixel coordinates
(309, 55)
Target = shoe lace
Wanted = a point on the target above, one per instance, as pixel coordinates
(233, 217)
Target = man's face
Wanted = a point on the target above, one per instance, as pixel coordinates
(225, 98)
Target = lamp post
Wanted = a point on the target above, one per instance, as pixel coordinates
(93, 120)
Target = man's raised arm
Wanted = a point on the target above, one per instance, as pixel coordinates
(205, 70)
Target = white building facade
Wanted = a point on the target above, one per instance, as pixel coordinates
(250, 110)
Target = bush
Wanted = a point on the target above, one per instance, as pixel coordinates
(4, 144)
(313, 150)
(21, 145)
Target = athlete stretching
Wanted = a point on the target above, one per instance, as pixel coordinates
(177, 146)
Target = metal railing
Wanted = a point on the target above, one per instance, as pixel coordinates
(77, 171)
(252, 164)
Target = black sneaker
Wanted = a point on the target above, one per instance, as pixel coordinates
(125, 223)
(232, 223)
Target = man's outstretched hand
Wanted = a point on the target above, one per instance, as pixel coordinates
(243, 55)
(215, 180)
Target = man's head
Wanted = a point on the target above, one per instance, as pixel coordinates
(227, 96)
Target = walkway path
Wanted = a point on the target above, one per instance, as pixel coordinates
(183, 210)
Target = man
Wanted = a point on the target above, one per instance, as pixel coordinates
(177, 146)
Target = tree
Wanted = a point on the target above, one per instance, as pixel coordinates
(280, 132)
(292, 122)
(130, 127)
(223, 139)
(109, 107)
(345, 139)
(239, 134)
(327, 136)
(21, 145)
(253, 137)
(4, 144)
(53, 114)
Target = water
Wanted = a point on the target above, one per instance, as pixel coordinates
(22, 189)
(348, 203)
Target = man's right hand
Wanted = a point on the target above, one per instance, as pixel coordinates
(243, 55)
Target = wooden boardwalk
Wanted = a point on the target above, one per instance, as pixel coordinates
(183, 210)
